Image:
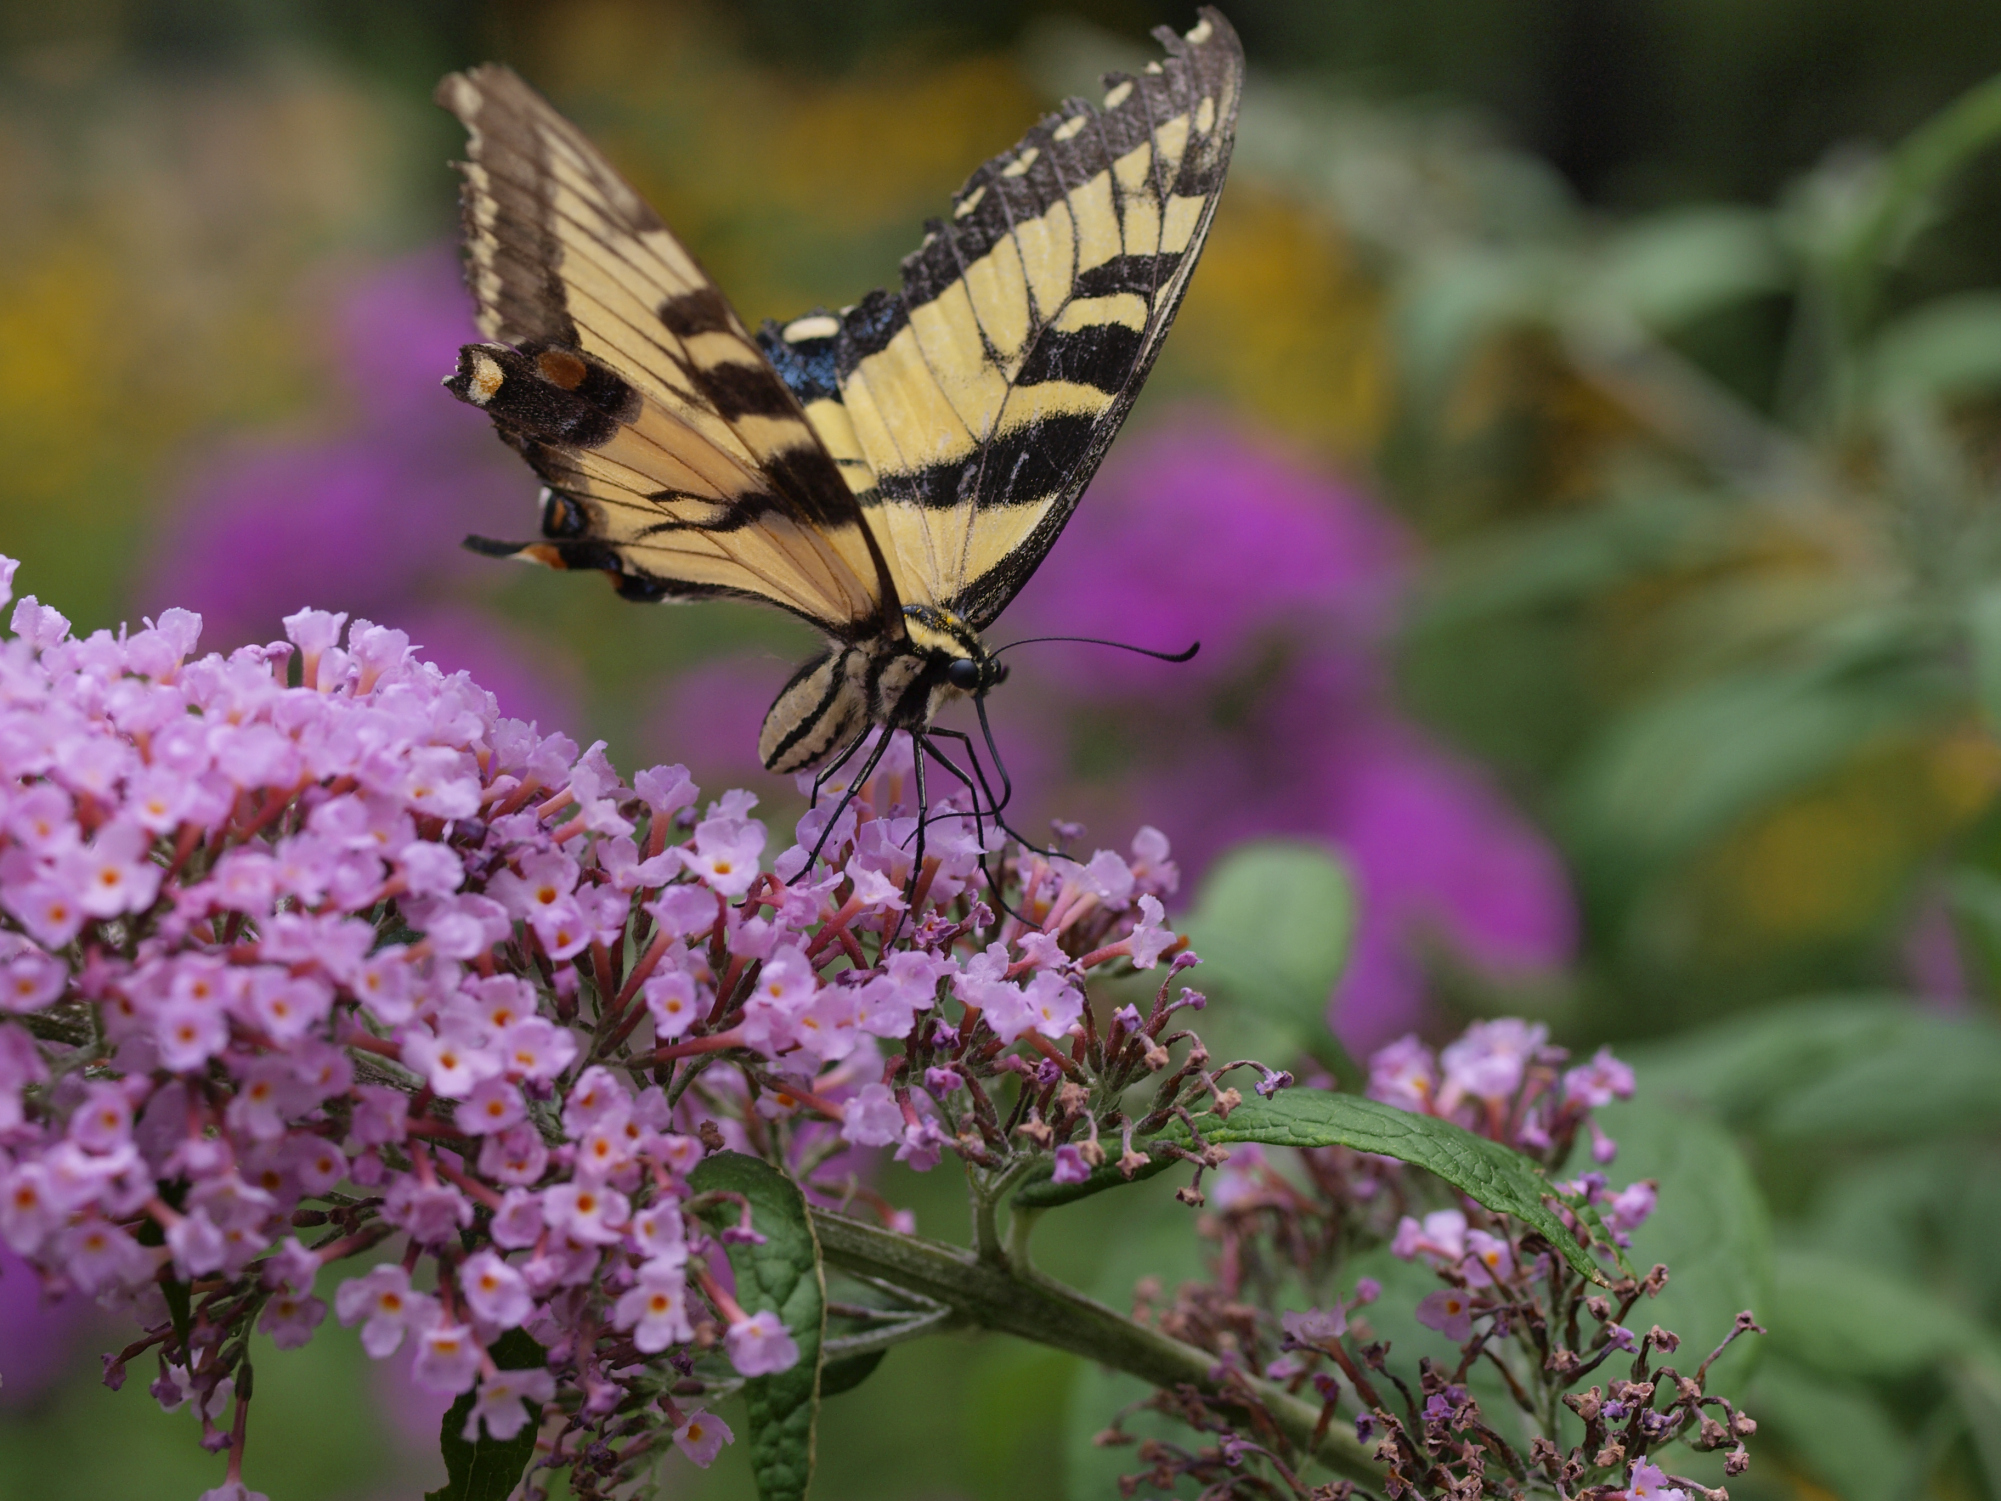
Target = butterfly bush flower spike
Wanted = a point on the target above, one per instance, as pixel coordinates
(1501, 1301)
(325, 988)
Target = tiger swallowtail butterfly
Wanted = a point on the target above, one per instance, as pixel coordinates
(892, 472)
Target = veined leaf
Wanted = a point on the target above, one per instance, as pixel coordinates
(488, 1468)
(782, 1275)
(1485, 1171)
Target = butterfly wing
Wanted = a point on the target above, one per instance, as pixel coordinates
(676, 459)
(968, 410)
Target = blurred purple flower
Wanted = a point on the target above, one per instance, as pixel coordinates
(1284, 723)
(1192, 533)
(36, 1336)
(530, 680)
(1932, 959)
(368, 518)
(414, 1414)
(709, 717)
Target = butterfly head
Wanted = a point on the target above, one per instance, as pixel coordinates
(955, 659)
(974, 675)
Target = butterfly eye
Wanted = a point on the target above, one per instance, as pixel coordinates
(963, 673)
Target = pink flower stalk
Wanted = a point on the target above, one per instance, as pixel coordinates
(307, 952)
(1502, 1079)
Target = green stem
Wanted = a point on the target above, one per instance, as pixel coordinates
(871, 1340)
(987, 1194)
(1037, 1308)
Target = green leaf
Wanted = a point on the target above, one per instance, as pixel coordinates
(1742, 1069)
(1983, 634)
(1274, 925)
(1453, 301)
(1922, 164)
(1929, 1076)
(784, 1276)
(1974, 895)
(1685, 767)
(845, 1375)
(1042, 1192)
(1156, 1239)
(1711, 1228)
(1844, 1318)
(1950, 347)
(1503, 1180)
(1836, 1433)
(1675, 267)
(1534, 564)
(488, 1468)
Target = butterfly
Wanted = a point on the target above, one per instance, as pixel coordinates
(893, 472)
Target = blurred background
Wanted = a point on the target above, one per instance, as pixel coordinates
(1579, 455)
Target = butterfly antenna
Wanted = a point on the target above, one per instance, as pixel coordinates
(1144, 651)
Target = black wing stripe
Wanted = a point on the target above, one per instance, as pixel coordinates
(733, 388)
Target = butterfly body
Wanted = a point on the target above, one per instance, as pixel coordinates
(891, 682)
(891, 472)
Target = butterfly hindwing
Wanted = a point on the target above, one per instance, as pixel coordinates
(968, 410)
(676, 458)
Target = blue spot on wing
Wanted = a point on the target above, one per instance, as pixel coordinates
(807, 367)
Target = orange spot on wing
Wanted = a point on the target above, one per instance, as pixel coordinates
(561, 368)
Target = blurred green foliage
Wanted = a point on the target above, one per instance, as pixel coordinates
(1674, 328)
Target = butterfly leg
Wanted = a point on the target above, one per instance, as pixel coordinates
(972, 792)
(994, 805)
(993, 749)
(979, 826)
(861, 779)
(919, 744)
(832, 768)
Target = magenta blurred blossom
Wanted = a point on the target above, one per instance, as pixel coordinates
(1932, 959)
(414, 1414)
(1190, 532)
(368, 516)
(1285, 723)
(530, 679)
(710, 714)
(37, 1336)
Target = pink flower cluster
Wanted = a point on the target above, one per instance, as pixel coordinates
(1502, 1079)
(307, 954)
(1499, 1292)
